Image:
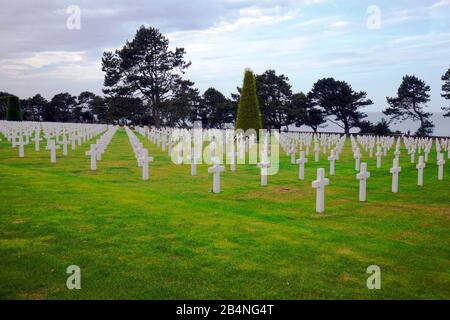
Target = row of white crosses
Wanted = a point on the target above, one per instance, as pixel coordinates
(20, 134)
(413, 145)
(98, 148)
(140, 153)
(384, 143)
(292, 143)
(236, 145)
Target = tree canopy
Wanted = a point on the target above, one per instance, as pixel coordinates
(275, 94)
(302, 112)
(410, 103)
(145, 67)
(215, 110)
(337, 99)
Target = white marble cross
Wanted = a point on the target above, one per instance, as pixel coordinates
(51, 145)
(395, 171)
(180, 152)
(193, 159)
(21, 145)
(216, 169)
(301, 165)
(169, 148)
(241, 148)
(36, 141)
(145, 158)
(212, 150)
(64, 143)
(292, 153)
(264, 165)
(379, 154)
(73, 142)
(93, 155)
(362, 177)
(319, 185)
(232, 156)
(332, 159)
(316, 152)
(357, 156)
(440, 163)
(13, 138)
(420, 166)
(413, 154)
(163, 142)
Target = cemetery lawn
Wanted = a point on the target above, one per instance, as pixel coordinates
(170, 238)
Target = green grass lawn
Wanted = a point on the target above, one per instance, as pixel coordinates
(171, 238)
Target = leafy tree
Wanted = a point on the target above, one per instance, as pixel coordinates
(99, 109)
(337, 99)
(215, 109)
(302, 112)
(412, 96)
(366, 127)
(380, 129)
(274, 93)
(248, 115)
(83, 110)
(60, 108)
(446, 91)
(34, 107)
(145, 68)
(125, 110)
(182, 106)
(13, 110)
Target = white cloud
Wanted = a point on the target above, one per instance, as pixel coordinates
(340, 24)
(440, 3)
(313, 22)
(252, 16)
(41, 59)
(52, 64)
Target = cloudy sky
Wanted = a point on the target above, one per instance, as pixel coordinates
(303, 39)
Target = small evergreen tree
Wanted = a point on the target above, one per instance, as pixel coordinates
(249, 115)
(13, 111)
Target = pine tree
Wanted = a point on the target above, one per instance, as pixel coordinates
(410, 103)
(13, 111)
(249, 115)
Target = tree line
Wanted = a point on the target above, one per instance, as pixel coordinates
(145, 84)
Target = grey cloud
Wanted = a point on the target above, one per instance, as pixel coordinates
(32, 26)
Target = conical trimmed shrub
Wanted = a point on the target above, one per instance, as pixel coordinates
(13, 111)
(249, 115)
